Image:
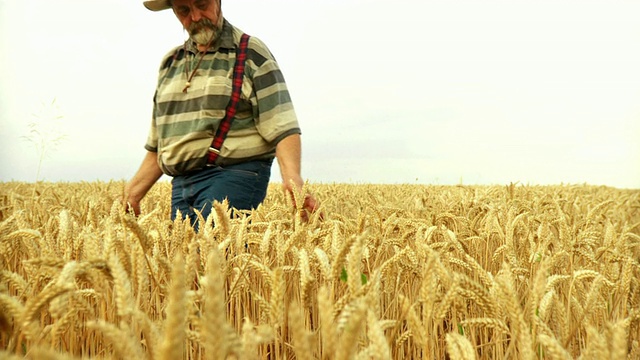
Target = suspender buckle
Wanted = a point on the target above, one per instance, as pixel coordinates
(212, 156)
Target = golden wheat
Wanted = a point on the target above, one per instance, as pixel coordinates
(391, 272)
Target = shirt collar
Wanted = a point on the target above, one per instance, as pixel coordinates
(224, 41)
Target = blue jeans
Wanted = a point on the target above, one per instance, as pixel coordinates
(244, 185)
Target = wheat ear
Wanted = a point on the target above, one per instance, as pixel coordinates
(172, 346)
(221, 217)
(487, 322)
(354, 265)
(276, 302)
(214, 316)
(520, 328)
(328, 334)
(378, 343)
(352, 321)
(552, 348)
(617, 333)
(144, 242)
(596, 346)
(43, 354)
(459, 347)
(120, 337)
(302, 339)
(415, 324)
(33, 306)
(124, 294)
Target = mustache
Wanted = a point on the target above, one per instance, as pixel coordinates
(203, 24)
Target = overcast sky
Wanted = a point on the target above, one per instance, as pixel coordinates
(404, 91)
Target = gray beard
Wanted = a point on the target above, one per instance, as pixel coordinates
(205, 36)
(205, 32)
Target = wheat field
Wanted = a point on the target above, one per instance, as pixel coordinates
(391, 272)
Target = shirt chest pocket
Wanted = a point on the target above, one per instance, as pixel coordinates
(218, 85)
(218, 90)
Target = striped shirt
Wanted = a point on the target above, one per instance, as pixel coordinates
(184, 124)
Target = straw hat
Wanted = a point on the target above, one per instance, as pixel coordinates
(157, 5)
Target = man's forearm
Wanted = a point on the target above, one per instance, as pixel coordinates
(288, 152)
(147, 175)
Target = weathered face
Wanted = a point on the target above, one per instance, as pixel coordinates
(201, 18)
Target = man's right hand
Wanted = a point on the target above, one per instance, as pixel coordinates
(141, 182)
(131, 206)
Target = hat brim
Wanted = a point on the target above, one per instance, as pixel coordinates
(157, 5)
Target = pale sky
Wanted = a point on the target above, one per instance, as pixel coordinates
(405, 91)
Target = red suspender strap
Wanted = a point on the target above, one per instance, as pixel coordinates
(232, 107)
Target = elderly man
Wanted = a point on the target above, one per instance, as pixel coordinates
(221, 114)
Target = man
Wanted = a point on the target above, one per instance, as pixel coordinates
(193, 95)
